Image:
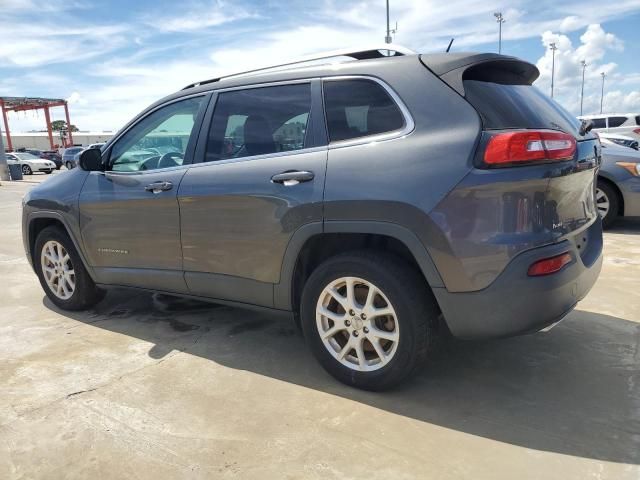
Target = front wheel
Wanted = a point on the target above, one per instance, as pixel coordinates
(368, 319)
(69, 165)
(26, 170)
(62, 273)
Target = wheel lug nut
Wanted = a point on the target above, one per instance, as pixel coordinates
(347, 323)
(363, 316)
(352, 313)
(365, 330)
(355, 334)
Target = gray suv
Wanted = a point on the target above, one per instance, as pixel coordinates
(378, 202)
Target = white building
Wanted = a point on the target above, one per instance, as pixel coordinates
(40, 140)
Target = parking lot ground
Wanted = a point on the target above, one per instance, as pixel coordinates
(149, 387)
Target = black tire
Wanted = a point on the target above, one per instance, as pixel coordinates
(406, 289)
(86, 293)
(49, 172)
(26, 170)
(69, 165)
(614, 203)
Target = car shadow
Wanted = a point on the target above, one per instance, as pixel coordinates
(627, 225)
(574, 390)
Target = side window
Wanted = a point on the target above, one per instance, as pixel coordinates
(599, 122)
(259, 121)
(358, 108)
(159, 140)
(616, 121)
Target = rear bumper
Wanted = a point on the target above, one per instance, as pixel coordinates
(515, 303)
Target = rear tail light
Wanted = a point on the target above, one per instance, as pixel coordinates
(525, 146)
(549, 265)
(636, 131)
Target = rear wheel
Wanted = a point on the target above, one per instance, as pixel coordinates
(69, 165)
(62, 273)
(368, 319)
(26, 170)
(607, 202)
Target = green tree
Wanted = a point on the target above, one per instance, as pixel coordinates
(58, 125)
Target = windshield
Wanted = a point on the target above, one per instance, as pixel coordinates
(26, 156)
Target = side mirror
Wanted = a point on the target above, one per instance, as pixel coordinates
(91, 160)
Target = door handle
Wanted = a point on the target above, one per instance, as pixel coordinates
(157, 187)
(292, 177)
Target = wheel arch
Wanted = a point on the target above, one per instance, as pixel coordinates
(38, 221)
(611, 183)
(315, 242)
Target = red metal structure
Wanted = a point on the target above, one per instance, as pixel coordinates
(21, 104)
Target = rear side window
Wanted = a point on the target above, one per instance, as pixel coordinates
(638, 120)
(599, 122)
(259, 121)
(503, 106)
(359, 108)
(616, 121)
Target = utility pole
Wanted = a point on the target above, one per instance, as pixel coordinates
(553, 48)
(602, 93)
(584, 66)
(388, 38)
(500, 19)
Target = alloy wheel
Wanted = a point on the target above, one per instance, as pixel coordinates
(357, 324)
(58, 270)
(602, 202)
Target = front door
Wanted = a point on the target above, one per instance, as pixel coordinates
(129, 214)
(261, 178)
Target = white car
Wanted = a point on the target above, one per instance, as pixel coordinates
(621, 123)
(622, 140)
(30, 163)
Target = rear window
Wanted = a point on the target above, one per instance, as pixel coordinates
(599, 122)
(616, 121)
(517, 106)
(359, 108)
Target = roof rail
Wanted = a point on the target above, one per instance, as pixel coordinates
(366, 53)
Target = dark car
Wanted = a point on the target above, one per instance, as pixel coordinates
(68, 156)
(379, 203)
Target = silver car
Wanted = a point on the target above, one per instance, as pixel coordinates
(618, 190)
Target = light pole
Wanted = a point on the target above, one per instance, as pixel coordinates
(602, 93)
(388, 38)
(553, 48)
(584, 66)
(500, 19)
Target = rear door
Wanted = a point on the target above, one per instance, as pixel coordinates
(260, 177)
(129, 214)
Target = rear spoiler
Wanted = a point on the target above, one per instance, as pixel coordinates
(454, 68)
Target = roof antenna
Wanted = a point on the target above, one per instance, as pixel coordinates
(449, 47)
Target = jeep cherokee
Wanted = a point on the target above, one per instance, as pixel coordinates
(377, 200)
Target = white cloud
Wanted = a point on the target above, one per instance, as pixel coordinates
(198, 16)
(594, 45)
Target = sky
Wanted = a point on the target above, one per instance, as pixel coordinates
(110, 59)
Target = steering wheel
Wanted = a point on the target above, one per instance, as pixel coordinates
(167, 160)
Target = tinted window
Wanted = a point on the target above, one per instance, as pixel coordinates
(357, 108)
(599, 122)
(517, 106)
(159, 140)
(259, 121)
(616, 121)
(638, 120)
